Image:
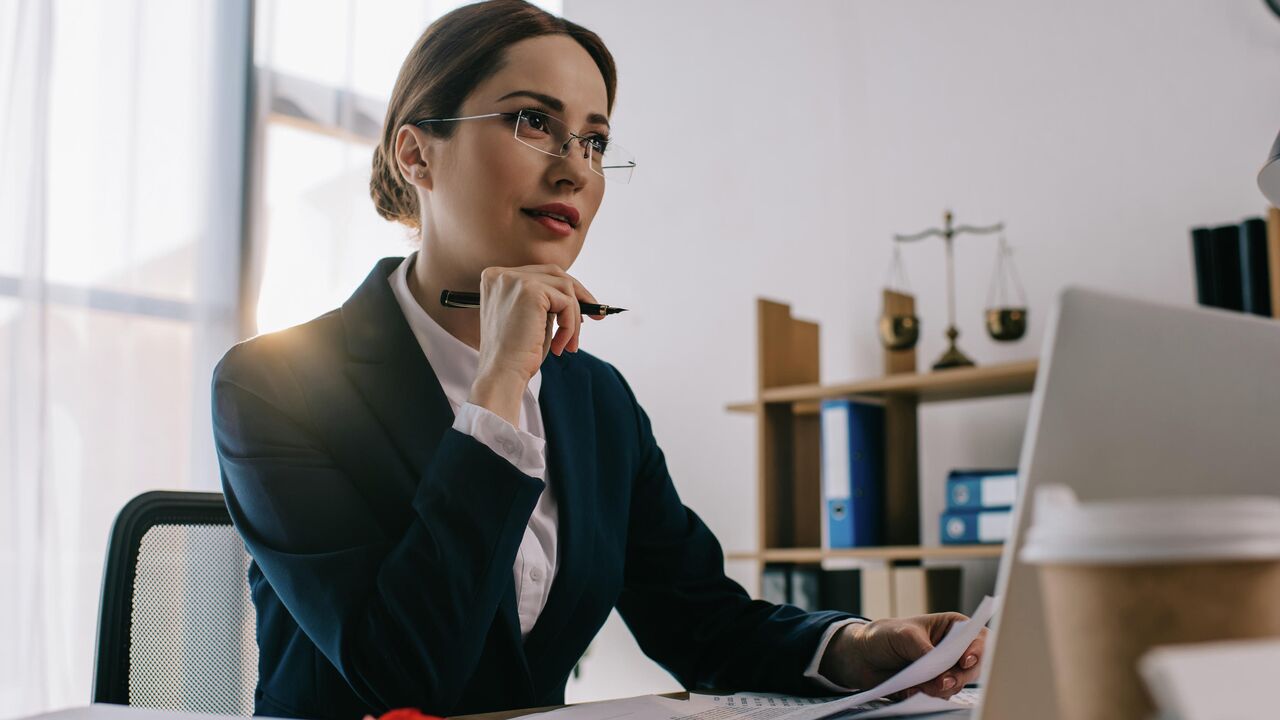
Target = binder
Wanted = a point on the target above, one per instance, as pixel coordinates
(841, 590)
(978, 489)
(852, 472)
(1255, 278)
(965, 527)
(1207, 292)
(1224, 246)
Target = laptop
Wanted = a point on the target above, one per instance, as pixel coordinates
(1132, 399)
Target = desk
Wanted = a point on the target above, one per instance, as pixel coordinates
(507, 714)
(104, 711)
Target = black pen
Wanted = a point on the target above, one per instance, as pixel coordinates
(456, 299)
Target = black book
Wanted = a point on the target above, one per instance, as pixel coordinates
(842, 590)
(1224, 249)
(1255, 278)
(1206, 275)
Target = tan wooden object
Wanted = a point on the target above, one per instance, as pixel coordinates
(787, 353)
(899, 361)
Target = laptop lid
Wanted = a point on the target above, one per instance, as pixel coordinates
(1132, 399)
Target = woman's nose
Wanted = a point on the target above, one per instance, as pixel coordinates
(573, 166)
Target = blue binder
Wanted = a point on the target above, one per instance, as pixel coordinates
(978, 489)
(852, 472)
(968, 527)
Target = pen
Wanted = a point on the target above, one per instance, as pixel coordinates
(456, 299)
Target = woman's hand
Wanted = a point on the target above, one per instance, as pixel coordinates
(517, 308)
(863, 655)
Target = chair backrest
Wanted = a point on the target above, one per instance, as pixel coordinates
(177, 628)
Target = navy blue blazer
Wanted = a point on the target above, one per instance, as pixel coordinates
(383, 539)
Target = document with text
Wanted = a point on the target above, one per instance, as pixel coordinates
(863, 705)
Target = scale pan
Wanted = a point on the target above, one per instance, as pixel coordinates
(899, 332)
(1006, 324)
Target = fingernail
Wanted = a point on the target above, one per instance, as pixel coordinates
(948, 683)
(970, 661)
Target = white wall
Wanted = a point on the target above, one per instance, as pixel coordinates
(781, 144)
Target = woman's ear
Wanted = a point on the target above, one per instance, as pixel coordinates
(413, 153)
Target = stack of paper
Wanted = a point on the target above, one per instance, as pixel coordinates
(863, 706)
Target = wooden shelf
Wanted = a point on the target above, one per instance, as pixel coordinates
(789, 396)
(939, 385)
(907, 552)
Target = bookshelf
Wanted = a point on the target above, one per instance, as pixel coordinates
(788, 434)
(885, 553)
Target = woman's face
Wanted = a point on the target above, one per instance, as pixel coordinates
(482, 182)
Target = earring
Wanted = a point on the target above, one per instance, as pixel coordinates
(421, 174)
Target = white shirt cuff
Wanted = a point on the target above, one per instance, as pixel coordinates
(521, 448)
(812, 673)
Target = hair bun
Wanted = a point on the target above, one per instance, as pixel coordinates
(392, 197)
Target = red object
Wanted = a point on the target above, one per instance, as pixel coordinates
(407, 714)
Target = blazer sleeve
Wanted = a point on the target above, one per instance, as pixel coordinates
(401, 615)
(686, 614)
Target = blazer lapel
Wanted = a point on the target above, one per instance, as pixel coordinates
(567, 415)
(388, 367)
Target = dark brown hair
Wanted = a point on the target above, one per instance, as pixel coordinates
(455, 54)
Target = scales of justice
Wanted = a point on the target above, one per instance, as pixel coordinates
(1006, 315)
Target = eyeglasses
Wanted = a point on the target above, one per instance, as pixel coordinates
(550, 135)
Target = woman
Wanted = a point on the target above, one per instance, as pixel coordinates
(443, 505)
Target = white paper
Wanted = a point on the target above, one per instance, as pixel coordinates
(730, 707)
(918, 704)
(757, 699)
(1214, 681)
(770, 706)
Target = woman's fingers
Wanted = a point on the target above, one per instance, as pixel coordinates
(965, 670)
(579, 289)
(572, 288)
(970, 663)
(546, 344)
(564, 293)
(943, 686)
(572, 315)
(584, 293)
(573, 345)
(544, 280)
(565, 308)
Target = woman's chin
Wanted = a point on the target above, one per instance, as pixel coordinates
(542, 252)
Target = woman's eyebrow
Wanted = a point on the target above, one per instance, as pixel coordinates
(554, 103)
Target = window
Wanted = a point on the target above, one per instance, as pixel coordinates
(119, 250)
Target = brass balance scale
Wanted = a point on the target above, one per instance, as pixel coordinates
(1006, 313)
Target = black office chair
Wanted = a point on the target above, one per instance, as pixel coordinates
(177, 627)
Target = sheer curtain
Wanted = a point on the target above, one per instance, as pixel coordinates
(122, 133)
